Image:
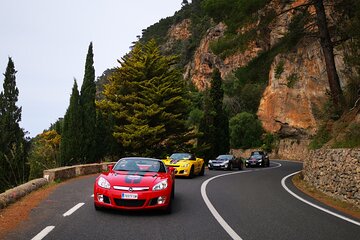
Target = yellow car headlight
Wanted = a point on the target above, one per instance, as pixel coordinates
(185, 165)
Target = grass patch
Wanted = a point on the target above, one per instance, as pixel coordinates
(351, 138)
(279, 69)
(292, 79)
(322, 137)
(348, 208)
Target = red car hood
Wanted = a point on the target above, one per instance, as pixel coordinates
(124, 178)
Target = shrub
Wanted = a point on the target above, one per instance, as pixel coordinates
(44, 153)
(352, 137)
(322, 137)
(279, 69)
(292, 79)
(245, 131)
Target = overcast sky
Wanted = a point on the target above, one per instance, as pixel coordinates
(48, 42)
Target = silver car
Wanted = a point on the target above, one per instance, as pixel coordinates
(226, 162)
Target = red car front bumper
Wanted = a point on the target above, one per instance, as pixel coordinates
(119, 199)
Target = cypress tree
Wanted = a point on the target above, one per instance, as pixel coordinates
(88, 108)
(13, 147)
(221, 121)
(71, 131)
(207, 129)
(215, 124)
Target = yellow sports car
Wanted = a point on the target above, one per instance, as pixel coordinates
(186, 164)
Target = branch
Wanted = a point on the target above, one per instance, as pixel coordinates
(295, 8)
(355, 105)
(335, 43)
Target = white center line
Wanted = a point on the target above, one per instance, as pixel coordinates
(43, 233)
(72, 210)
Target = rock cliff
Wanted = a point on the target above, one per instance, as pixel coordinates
(291, 101)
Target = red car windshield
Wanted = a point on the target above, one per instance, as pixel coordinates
(139, 165)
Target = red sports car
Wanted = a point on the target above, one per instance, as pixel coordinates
(135, 183)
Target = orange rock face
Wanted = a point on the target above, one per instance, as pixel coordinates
(180, 31)
(294, 97)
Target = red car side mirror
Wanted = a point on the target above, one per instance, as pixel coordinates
(171, 169)
(110, 168)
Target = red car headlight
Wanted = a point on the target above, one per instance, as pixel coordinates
(102, 182)
(161, 185)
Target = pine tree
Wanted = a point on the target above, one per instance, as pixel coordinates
(88, 109)
(71, 131)
(13, 147)
(146, 96)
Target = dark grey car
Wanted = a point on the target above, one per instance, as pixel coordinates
(227, 162)
(258, 159)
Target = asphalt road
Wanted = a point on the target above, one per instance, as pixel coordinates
(248, 204)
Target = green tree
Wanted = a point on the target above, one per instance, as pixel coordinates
(245, 131)
(88, 110)
(44, 153)
(13, 146)
(147, 98)
(207, 130)
(71, 131)
(215, 125)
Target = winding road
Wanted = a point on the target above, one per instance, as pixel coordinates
(257, 203)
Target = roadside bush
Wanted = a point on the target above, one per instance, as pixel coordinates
(245, 131)
(352, 137)
(322, 137)
(269, 142)
(44, 153)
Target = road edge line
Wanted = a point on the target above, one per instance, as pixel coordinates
(314, 205)
(213, 210)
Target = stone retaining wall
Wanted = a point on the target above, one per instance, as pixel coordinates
(62, 173)
(14, 194)
(50, 175)
(288, 148)
(293, 149)
(336, 172)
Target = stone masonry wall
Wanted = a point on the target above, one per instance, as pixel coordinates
(292, 149)
(336, 172)
(288, 148)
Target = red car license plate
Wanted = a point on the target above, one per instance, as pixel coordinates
(129, 196)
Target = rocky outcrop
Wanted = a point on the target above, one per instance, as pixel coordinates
(200, 69)
(294, 94)
(204, 60)
(177, 33)
(180, 31)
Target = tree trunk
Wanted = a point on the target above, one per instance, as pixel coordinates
(327, 47)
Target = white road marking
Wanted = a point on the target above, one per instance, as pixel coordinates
(212, 209)
(72, 210)
(43, 233)
(312, 204)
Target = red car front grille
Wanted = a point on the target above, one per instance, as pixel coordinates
(129, 203)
